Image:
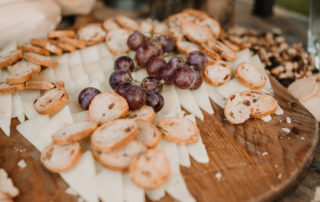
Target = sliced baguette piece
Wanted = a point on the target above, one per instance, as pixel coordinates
(74, 42)
(179, 130)
(144, 113)
(212, 24)
(44, 85)
(61, 33)
(107, 106)
(127, 23)
(238, 108)
(47, 45)
(74, 132)
(160, 28)
(222, 50)
(303, 89)
(51, 101)
(22, 71)
(10, 58)
(196, 33)
(210, 52)
(150, 169)
(146, 26)
(34, 49)
(64, 46)
(218, 73)
(116, 41)
(148, 134)
(41, 60)
(119, 160)
(6, 88)
(92, 33)
(114, 135)
(250, 75)
(186, 47)
(110, 24)
(6, 185)
(60, 158)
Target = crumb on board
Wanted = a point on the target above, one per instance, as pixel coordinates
(22, 163)
(265, 153)
(288, 119)
(218, 176)
(279, 176)
(287, 130)
(302, 138)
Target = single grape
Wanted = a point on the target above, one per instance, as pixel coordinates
(136, 40)
(136, 97)
(86, 95)
(155, 48)
(155, 100)
(143, 55)
(154, 64)
(151, 84)
(198, 78)
(124, 63)
(122, 88)
(177, 61)
(166, 42)
(184, 77)
(118, 77)
(166, 73)
(198, 58)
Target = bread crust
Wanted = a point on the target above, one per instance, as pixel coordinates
(135, 115)
(186, 47)
(242, 77)
(87, 32)
(196, 33)
(112, 35)
(44, 85)
(34, 49)
(74, 42)
(41, 60)
(47, 45)
(222, 50)
(5, 88)
(11, 58)
(212, 81)
(156, 135)
(61, 33)
(16, 78)
(211, 53)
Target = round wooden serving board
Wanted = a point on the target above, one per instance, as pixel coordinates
(258, 161)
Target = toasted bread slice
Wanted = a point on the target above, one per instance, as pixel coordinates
(116, 41)
(107, 106)
(41, 60)
(150, 169)
(238, 108)
(218, 73)
(110, 24)
(74, 42)
(179, 130)
(196, 33)
(160, 28)
(250, 75)
(223, 50)
(144, 113)
(186, 47)
(127, 23)
(34, 49)
(51, 101)
(47, 45)
(64, 46)
(61, 158)
(303, 89)
(6, 185)
(212, 24)
(92, 33)
(148, 134)
(114, 135)
(44, 85)
(146, 26)
(210, 52)
(22, 71)
(61, 33)
(119, 159)
(11, 58)
(6, 88)
(74, 132)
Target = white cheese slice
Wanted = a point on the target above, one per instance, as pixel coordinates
(89, 54)
(73, 103)
(58, 121)
(214, 95)
(80, 116)
(17, 108)
(103, 50)
(27, 98)
(5, 113)
(29, 130)
(183, 155)
(202, 98)
(279, 111)
(74, 58)
(79, 77)
(266, 118)
(62, 74)
(188, 102)
(198, 150)
(63, 59)
(231, 87)
(132, 193)
(96, 75)
(171, 105)
(242, 56)
(108, 185)
(48, 75)
(107, 64)
(140, 75)
(156, 194)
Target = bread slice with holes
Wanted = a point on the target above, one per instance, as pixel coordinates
(41, 60)
(110, 24)
(92, 33)
(107, 106)
(179, 130)
(250, 75)
(148, 134)
(116, 41)
(74, 42)
(150, 169)
(217, 73)
(61, 158)
(196, 33)
(44, 85)
(22, 71)
(186, 47)
(74, 132)
(223, 50)
(6, 185)
(11, 58)
(114, 135)
(51, 101)
(119, 160)
(303, 89)
(238, 108)
(34, 49)
(127, 23)
(144, 113)
(6, 88)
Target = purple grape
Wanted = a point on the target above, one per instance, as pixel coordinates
(166, 42)
(86, 95)
(136, 40)
(119, 77)
(156, 49)
(155, 100)
(184, 77)
(124, 63)
(198, 78)
(177, 61)
(166, 73)
(121, 89)
(199, 59)
(136, 97)
(154, 64)
(143, 55)
(151, 84)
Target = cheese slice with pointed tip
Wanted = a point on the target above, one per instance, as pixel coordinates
(132, 193)
(5, 113)
(62, 73)
(107, 65)
(63, 59)
(202, 98)
(17, 108)
(214, 95)
(79, 77)
(188, 102)
(27, 98)
(156, 194)
(95, 73)
(183, 155)
(171, 103)
(80, 116)
(231, 87)
(74, 58)
(48, 75)
(89, 54)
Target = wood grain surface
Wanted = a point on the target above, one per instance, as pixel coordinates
(258, 161)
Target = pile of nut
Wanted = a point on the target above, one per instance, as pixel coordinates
(285, 62)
